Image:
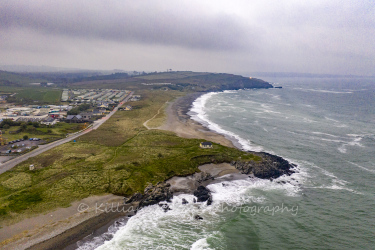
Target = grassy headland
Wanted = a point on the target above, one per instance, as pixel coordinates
(120, 157)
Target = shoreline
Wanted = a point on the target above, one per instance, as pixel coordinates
(178, 121)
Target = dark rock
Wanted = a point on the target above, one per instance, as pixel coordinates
(209, 200)
(165, 207)
(203, 194)
(270, 167)
(184, 201)
(197, 217)
(134, 198)
(153, 195)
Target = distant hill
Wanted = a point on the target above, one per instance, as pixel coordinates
(178, 80)
(15, 79)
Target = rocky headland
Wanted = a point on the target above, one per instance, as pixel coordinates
(270, 167)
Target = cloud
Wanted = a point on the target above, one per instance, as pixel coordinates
(315, 36)
(147, 22)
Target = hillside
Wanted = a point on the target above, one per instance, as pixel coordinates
(181, 80)
(14, 79)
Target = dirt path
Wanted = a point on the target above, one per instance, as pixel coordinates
(145, 123)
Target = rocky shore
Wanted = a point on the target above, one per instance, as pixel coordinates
(270, 167)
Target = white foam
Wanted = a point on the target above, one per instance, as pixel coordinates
(314, 174)
(324, 91)
(342, 149)
(336, 187)
(355, 142)
(331, 119)
(321, 133)
(307, 120)
(364, 168)
(198, 113)
(152, 227)
(200, 244)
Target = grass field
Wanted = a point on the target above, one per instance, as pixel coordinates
(40, 95)
(120, 157)
(59, 130)
(33, 95)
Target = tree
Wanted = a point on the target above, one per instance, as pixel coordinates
(23, 126)
(25, 137)
(6, 126)
(73, 111)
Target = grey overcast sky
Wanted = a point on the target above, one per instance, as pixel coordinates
(311, 36)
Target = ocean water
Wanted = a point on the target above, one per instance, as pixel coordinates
(325, 126)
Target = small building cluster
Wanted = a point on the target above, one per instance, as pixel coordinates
(100, 101)
(94, 96)
(135, 98)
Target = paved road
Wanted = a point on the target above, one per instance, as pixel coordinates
(43, 148)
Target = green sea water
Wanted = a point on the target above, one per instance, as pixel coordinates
(325, 126)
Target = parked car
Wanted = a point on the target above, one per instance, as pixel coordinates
(19, 151)
(8, 151)
(17, 140)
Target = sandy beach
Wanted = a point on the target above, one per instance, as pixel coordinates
(179, 122)
(64, 227)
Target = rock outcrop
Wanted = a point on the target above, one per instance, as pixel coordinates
(197, 217)
(152, 195)
(203, 194)
(270, 167)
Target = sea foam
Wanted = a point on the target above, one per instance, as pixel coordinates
(198, 113)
